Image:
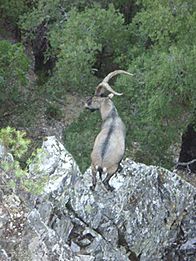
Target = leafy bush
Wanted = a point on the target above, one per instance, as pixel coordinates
(76, 39)
(48, 12)
(85, 35)
(162, 93)
(12, 9)
(14, 66)
(16, 143)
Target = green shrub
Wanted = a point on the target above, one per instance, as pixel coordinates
(12, 9)
(81, 39)
(159, 102)
(16, 143)
(48, 12)
(14, 66)
(76, 39)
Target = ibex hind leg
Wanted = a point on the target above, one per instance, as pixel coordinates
(110, 173)
(106, 182)
(100, 170)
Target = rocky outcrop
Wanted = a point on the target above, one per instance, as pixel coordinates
(149, 215)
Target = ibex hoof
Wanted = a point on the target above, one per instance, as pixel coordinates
(120, 168)
(107, 186)
(92, 188)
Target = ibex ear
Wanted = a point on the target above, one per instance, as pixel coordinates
(111, 95)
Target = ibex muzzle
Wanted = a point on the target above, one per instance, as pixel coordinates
(109, 145)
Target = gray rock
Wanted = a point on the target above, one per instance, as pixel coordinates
(3, 255)
(148, 217)
(5, 155)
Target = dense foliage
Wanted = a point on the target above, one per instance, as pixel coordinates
(12, 9)
(155, 40)
(14, 67)
(80, 42)
(163, 92)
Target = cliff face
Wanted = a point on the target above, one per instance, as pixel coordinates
(149, 215)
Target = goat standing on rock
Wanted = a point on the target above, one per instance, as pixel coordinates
(109, 146)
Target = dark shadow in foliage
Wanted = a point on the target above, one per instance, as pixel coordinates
(40, 45)
(188, 149)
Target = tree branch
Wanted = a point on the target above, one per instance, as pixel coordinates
(187, 164)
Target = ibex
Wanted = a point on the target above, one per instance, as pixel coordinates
(109, 145)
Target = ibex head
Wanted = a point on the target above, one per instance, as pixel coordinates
(95, 102)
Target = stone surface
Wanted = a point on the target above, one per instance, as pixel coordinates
(150, 216)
